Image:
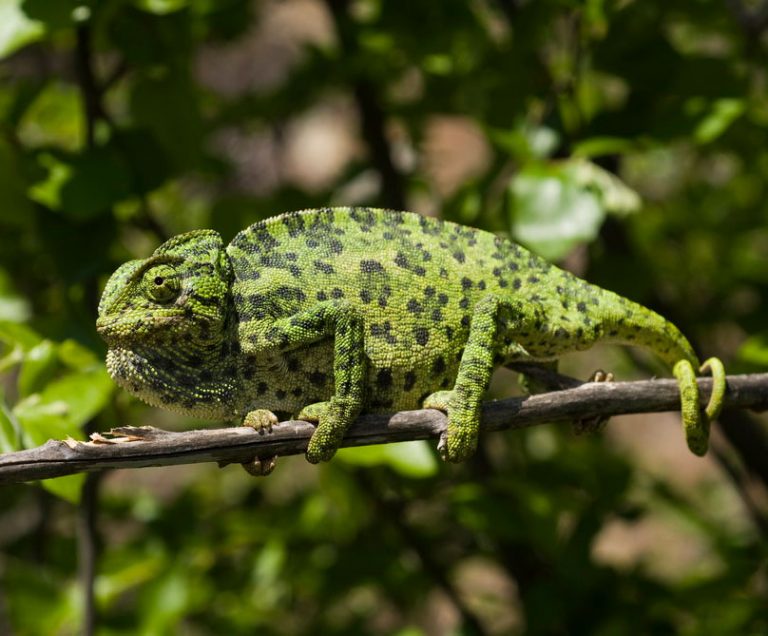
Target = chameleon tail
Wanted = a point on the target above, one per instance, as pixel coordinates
(641, 326)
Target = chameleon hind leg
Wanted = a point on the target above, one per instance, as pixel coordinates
(696, 423)
(488, 330)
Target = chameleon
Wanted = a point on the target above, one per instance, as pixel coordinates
(327, 313)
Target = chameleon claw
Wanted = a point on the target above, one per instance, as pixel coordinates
(597, 423)
(258, 467)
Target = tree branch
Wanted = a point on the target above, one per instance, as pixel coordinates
(131, 447)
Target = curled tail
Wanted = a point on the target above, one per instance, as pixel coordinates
(637, 325)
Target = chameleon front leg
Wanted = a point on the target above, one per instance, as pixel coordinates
(342, 322)
(462, 403)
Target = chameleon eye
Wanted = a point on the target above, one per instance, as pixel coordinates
(162, 284)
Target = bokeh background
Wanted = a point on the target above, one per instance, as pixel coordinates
(625, 139)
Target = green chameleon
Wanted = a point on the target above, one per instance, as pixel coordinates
(326, 313)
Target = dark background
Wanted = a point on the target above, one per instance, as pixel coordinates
(627, 140)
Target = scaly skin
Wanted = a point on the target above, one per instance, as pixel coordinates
(327, 313)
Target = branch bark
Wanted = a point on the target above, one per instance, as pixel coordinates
(132, 447)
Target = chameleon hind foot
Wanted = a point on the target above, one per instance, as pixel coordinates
(696, 423)
(333, 419)
(459, 441)
(597, 423)
(262, 421)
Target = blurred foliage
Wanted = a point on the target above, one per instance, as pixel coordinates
(626, 138)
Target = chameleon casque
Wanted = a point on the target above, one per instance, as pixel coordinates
(323, 314)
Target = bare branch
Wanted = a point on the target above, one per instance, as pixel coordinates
(131, 447)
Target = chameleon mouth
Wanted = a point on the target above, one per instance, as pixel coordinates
(132, 327)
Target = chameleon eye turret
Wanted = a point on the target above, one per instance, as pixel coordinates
(324, 314)
(162, 284)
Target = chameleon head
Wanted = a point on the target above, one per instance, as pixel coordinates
(164, 319)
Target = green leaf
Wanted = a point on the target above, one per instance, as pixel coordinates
(722, 114)
(68, 487)
(16, 28)
(64, 405)
(410, 459)
(69, 185)
(551, 212)
(161, 7)
(10, 430)
(615, 196)
(38, 367)
(754, 350)
(16, 334)
(54, 118)
(13, 307)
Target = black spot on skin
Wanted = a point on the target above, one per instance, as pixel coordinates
(533, 279)
(421, 335)
(464, 303)
(516, 283)
(369, 267)
(481, 284)
(465, 320)
(429, 291)
(459, 256)
(365, 296)
(280, 394)
(442, 299)
(293, 364)
(337, 293)
(437, 315)
(318, 378)
(321, 296)
(414, 307)
(297, 391)
(261, 389)
(384, 378)
(449, 333)
(438, 366)
(582, 307)
(466, 283)
(409, 381)
(325, 268)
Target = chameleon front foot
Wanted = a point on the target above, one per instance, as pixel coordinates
(696, 422)
(459, 441)
(260, 420)
(333, 419)
(594, 424)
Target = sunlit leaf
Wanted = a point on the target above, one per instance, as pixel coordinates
(723, 113)
(551, 212)
(410, 459)
(10, 431)
(16, 28)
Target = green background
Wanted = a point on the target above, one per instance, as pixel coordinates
(626, 140)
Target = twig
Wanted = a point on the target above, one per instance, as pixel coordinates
(131, 447)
